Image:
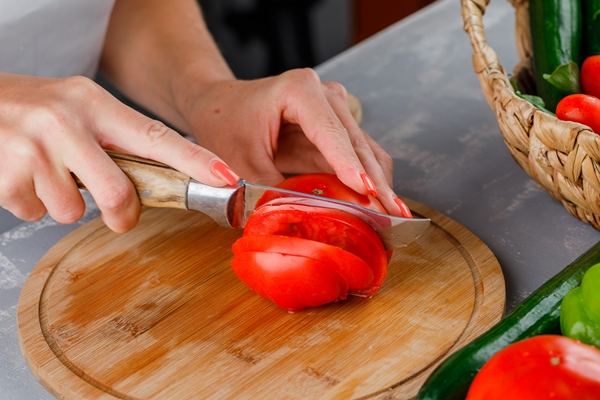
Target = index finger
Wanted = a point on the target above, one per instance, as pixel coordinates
(134, 133)
(307, 105)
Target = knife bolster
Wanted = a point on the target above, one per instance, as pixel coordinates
(220, 203)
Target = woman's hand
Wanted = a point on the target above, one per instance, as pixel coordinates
(52, 128)
(291, 123)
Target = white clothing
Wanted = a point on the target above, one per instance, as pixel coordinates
(52, 38)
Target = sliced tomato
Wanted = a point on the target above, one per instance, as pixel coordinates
(333, 227)
(353, 269)
(291, 282)
(326, 185)
(304, 256)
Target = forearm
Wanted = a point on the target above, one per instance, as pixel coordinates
(160, 53)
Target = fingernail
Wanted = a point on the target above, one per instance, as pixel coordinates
(403, 208)
(221, 170)
(369, 184)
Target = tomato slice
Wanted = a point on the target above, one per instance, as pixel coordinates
(333, 227)
(353, 269)
(291, 282)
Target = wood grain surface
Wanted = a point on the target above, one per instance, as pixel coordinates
(157, 313)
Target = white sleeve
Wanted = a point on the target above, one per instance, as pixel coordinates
(52, 38)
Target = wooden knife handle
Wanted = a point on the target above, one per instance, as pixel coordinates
(157, 184)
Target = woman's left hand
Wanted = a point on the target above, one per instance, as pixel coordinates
(291, 123)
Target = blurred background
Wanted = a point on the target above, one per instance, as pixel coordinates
(260, 38)
(266, 37)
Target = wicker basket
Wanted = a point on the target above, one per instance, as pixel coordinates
(563, 157)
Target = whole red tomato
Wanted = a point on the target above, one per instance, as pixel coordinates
(541, 367)
(302, 256)
(581, 108)
(590, 75)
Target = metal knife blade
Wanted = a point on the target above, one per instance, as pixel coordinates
(159, 185)
(232, 206)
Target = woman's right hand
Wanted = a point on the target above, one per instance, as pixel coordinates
(51, 128)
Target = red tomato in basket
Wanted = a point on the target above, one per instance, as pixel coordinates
(541, 367)
(581, 108)
(302, 256)
(590, 75)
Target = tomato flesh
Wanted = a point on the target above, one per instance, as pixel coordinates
(333, 227)
(351, 268)
(291, 282)
(302, 256)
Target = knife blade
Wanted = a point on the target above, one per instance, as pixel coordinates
(159, 185)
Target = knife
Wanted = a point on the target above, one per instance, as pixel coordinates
(159, 185)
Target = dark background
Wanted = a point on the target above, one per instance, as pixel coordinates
(266, 37)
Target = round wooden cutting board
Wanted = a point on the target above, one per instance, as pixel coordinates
(157, 313)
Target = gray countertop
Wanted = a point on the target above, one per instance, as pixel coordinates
(422, 102)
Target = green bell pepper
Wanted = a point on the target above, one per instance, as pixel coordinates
(580, 309)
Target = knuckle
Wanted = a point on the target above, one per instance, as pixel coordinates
(81, 87)
(385, 160)
(303, 76)
(360, 144)
(68, 213)
(333, 126)
(27, 152)
(154, 132)
(115, 197)
(53, 119)
(337, 89)
(194, 152)
(48, 117)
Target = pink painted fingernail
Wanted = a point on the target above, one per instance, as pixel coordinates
(369, 184)
(223, 171)
(404, 208)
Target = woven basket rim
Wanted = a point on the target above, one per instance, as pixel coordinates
(563, 157)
